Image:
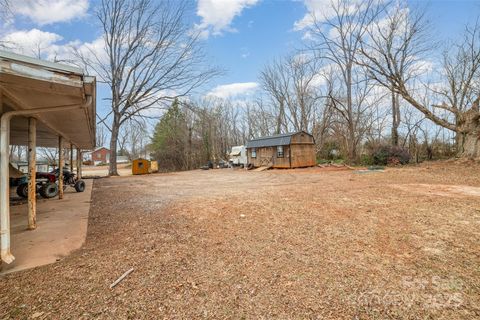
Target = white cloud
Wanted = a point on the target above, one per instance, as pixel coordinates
(323, 10)
(30, 42)
(50, 11)
(317, 8)
(50, 46)
(217, 15)
(95, 50)
(318, 81)
(233, 90)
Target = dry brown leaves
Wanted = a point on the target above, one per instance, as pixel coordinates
(402, 244)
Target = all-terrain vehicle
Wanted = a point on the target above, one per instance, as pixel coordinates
(70, 180)
(47, 183)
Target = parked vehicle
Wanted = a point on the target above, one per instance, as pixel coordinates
(17, 177)
(47, 183)
(70, 180)
(238, 156)
(222, 164)
(15, 182)
(208, 166)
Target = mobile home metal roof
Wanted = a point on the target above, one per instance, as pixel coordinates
(272, 141)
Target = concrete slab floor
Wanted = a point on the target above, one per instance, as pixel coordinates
(61, 229)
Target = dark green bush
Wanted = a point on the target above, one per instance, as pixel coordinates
(392, 155)
(330, 151)
(366, 159)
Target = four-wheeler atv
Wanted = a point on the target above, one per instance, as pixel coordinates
(47, 183)
(69, 180)
(46, 186)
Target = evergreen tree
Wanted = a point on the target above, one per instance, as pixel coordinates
(168, 141)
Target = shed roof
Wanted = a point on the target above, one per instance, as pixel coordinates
(272, 141)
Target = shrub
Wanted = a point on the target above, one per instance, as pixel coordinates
(322, 161)
(366, 159)
(391, 155)
(330, 151)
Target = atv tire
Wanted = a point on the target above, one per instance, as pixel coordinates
(49, 190)
(22, 190)
(80, 186)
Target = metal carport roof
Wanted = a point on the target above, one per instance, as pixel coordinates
(29, 84)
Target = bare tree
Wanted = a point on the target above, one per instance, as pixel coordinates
(5, 9)
(150, 56)
(101, 135)
(337, 39)
(17, 153)
(322, 124)
(393, 54)
(50, 155)
(274, 82)
(395, 117)
(261, 120)
(292, 86)
(133, 138)
(5, 15)
(122, 142)
(352, 124)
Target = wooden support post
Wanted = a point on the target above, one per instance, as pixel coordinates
(71, 158)
(32, 171)
(61, 163)
(79, 163)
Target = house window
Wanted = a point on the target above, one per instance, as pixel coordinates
(254, 153)
(279, 151)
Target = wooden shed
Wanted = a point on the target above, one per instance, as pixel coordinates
(141, 166)
(290, 150)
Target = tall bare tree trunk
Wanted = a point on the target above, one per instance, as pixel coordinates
(471, 145)
(281, 116)
(112, 169)
(152, 52)
(352, 143)
(395, 67)
(395, 118)
(468, 134)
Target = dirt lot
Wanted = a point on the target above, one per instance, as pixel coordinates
(308, 243)
(102, 171)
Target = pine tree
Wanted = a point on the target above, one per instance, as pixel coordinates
(168, 141)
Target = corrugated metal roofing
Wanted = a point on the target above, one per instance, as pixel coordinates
(31, 84)
(272, 141)
(47, 64)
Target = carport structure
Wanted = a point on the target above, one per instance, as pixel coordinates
(42, 104)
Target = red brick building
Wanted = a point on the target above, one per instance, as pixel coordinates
(100, 155)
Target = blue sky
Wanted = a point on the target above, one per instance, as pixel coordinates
(241, 36)
(265, 31)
